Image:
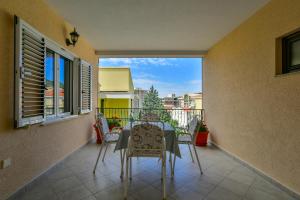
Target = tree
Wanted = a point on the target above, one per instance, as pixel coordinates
(153, 104)
(152, 100)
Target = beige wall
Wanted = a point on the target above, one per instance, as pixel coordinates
(250, 112)
(35, 149)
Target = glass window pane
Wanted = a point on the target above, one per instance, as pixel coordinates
(64, 85)
(295, 53)
(50, 92)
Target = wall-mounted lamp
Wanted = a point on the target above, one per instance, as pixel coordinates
(74, 38)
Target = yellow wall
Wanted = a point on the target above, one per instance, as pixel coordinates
(116, 103)
(115, 79)
(119, 113)
(250, 112)
(35, 149)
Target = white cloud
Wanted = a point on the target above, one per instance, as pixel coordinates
(145, 75)
(139, 82)
(135, 62)
(116, 61)
(195, 82)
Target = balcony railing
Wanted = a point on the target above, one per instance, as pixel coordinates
(176, 117)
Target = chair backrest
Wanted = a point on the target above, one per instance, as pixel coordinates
(146, 136)
(192, 125)
(150, 117)
(103, 124)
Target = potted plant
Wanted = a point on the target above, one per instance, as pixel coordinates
(113, 122)
(201, 134)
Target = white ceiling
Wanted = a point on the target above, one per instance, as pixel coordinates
(150, 25)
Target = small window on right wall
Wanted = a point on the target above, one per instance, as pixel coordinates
(291, 53)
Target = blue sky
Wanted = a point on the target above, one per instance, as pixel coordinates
(167, 75)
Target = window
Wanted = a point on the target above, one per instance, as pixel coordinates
(291, 53)
(64, 85)
(49, 82)
(58, 95)
(50, 87)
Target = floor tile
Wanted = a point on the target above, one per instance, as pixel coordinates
(149, 193)
(113, 193)
(220, 193)
(76, 193)
(64, 184)
(98, 184)
(256, 194)
(186, 193)
(242, 178)
(234, 186)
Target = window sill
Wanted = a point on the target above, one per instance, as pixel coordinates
(59, 119)
(287, 74)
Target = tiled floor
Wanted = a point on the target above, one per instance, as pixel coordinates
(223, 178)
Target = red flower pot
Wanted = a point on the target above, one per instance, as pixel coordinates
(201, 139)
(98, 134)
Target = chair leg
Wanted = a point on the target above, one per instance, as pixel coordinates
(174, 161)
(124, 155)
(121, 158)
(198, 161)
(162, 167)
(105, 152)
(130, 160)
(99, 154)
(164, 176)
(170, 161)
(191, 152)
(126, 178)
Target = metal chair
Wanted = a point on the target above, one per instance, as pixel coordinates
(187, 136)
(108, 137)
(146, 140)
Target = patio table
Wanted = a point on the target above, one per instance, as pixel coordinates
(170, 136)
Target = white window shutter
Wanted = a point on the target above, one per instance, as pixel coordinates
(29, 75)
(85, 87)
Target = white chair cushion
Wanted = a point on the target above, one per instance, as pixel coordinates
(105, 127)
(184, 138)
(111, 137)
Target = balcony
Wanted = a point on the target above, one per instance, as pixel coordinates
(49, 93)
(224, 178)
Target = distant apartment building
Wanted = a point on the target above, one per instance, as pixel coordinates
(139, 95)
(188, 101)
(182, 107)
(170, 101)
(191, 101)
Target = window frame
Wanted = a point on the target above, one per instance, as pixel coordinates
(286, 53)
(71, 89)
(59, 52)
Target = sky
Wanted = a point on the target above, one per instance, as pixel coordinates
(167, 75)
